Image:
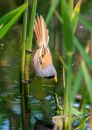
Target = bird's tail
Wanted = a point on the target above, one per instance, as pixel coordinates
(41, 31)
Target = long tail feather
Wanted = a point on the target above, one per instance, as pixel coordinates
(41, 31)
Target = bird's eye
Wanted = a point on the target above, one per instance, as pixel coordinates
(42, 55)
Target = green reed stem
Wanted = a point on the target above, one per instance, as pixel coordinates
(25, 108)
(67, 91)
(24, 35)
(30, 35)
(69, 85)
(51, 10)
(68, 46)
(23, 56)
(65, 99)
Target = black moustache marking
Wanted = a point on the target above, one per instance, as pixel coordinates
(50, 77)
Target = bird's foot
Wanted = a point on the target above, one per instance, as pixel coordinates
(27, 81)
(29, 52)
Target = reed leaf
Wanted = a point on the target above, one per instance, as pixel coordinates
(77, 84)
(88, 80)
(59, 18)
(52, 10)
(70, 6)
(85, 22)
(85, 56)
(75, 16)
(8, 16)
(12, 21)
(67, 29)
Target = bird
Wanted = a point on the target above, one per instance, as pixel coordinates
(42, 59)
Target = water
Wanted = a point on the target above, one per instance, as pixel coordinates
(9, 83)
(41, 99)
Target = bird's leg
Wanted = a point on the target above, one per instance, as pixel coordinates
(29, 52)
(27, 81)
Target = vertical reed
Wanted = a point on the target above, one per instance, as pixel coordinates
(22, 67)
(25, 61)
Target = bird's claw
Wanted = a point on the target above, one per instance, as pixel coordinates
(26, 81)
(29, 52)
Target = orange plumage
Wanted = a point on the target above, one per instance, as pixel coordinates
(42, 58)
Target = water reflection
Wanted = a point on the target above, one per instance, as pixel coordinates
(40, 102)
(41, 106)
(10, 116)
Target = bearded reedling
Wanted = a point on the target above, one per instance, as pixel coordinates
(42, 59)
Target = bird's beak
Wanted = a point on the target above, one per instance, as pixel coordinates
(55, 78)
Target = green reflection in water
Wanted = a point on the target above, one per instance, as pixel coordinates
(41, 96)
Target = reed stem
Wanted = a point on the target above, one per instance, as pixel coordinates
(67, 91)
(69, 85)
(24, 35)
(25, 61)
(22, 67)
(31, 26)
